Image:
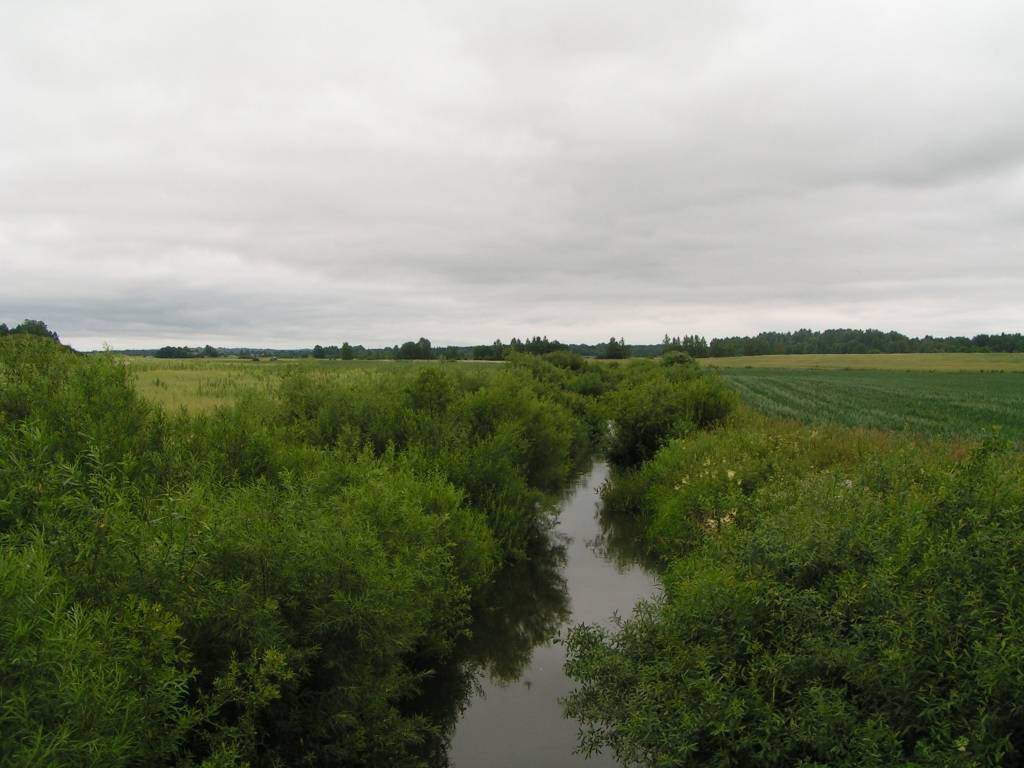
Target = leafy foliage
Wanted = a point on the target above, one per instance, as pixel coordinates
(271, 582)
(832, 597)
(654, 403)
(85, 685)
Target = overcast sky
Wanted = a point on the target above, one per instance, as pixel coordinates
(284, 174)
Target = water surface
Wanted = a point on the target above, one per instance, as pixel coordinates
(586, 569)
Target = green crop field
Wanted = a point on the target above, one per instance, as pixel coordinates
(203, 384)
(955, 404)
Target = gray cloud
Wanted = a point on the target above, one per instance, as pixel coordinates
(269, 173)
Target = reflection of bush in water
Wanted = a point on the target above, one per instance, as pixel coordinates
(443, 698)
(621, 541)
(523, 608)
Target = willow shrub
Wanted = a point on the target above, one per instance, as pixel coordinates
(81, 685)
(271, 583)
(341, 590)
(832, 597)
(655, 402)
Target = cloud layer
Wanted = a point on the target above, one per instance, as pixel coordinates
(284, 174)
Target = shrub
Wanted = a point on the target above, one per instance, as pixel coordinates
(832, 598)
(652, 406)
(270, 583)
(82, 685)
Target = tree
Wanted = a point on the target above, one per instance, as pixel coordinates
(615, 350)
(538, 346)
(426, 353)
(35, 328)
(209, 351)
(346, 351)
(415, 350)
(318, 352)
(695, 346)
(173, 352)
(671, 345)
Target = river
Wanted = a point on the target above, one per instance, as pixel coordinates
(583, 570)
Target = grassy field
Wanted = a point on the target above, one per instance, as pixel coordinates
(951, 403)
(954, 361)
(203, 384)
(933, 394)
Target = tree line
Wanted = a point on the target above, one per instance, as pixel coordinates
(853, 341)
(186, 352)
(29, 328)
(800, 342)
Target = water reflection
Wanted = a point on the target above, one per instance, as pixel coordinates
(621, 541)
(527, 604)
(523, 608)
(498, 703)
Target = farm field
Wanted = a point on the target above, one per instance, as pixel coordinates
(914, 361)
(959, 404)
(199, 385)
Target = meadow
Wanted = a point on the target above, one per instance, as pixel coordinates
(201, 384)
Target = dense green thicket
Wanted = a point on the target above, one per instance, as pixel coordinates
(271, 583)
(655, 402)
(832, 597)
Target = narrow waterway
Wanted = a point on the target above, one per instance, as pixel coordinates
(584, 571)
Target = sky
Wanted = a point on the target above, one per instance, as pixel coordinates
(284, 174)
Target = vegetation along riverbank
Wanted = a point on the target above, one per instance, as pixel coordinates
(832, 596)
(276, 573)
(273, 581)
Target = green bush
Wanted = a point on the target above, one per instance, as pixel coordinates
(83, 686)
(832, 597)
(271, 583)
(653, 404)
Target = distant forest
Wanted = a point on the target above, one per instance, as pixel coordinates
(851, 341)
(802, 342)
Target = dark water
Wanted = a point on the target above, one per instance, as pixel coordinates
(586, 569)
